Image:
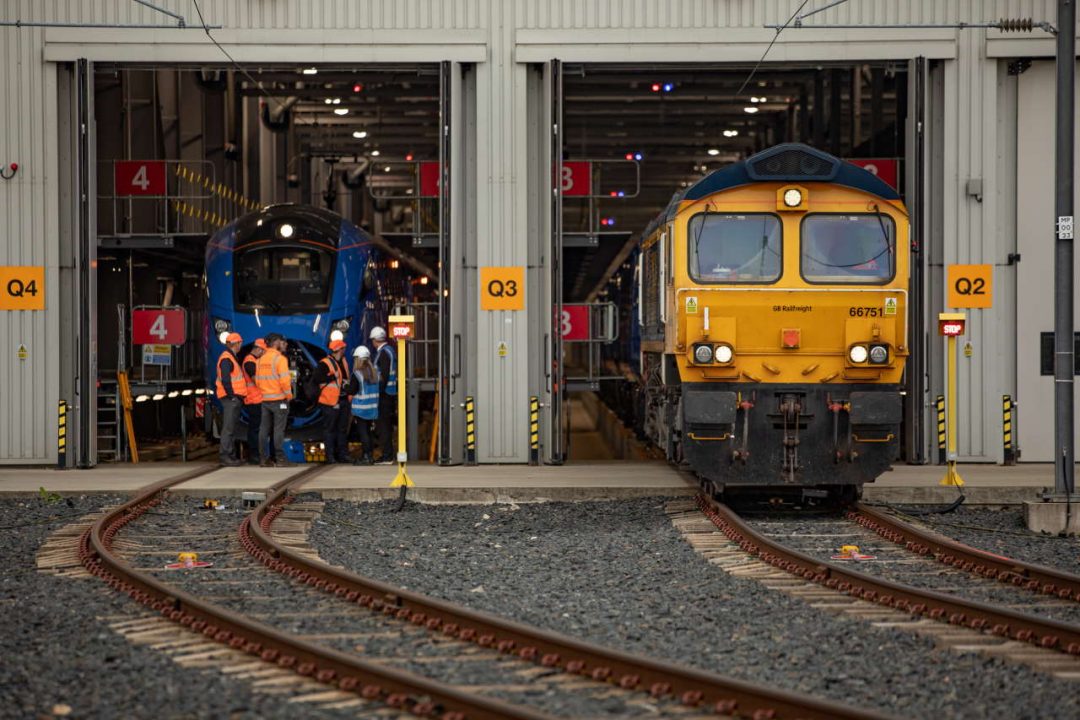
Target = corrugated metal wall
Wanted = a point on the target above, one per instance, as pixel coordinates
(27, 129)
(28, 230)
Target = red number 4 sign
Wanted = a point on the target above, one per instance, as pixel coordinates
(139, 177)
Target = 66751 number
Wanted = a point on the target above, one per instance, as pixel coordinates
(865, 312)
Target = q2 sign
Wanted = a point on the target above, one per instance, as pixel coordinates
(158, 326)
(139, 177)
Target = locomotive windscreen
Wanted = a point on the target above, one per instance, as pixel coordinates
(734, 248)
(841, 248)
(283, 280)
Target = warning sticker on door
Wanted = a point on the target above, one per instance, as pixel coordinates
(890, 306)
(691, 305)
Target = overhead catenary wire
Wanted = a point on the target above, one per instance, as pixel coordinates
(779, 30)
(240, 68)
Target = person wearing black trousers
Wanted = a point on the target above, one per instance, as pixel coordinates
(386, 364)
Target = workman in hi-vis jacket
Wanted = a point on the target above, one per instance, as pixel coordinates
(331, 378)
(231, 390)
(253, 400)
(275, 383)
(386, 363)
(364, 389)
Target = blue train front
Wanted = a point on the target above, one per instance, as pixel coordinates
(299, 271)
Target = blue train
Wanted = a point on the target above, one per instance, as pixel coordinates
(299, 271)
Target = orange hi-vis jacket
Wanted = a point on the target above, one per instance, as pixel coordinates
(331, 391)
(272, 377)
(236, 377)
(254, 394)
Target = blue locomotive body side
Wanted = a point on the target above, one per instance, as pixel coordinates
(298, 271)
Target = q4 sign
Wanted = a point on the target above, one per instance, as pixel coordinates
(22, 288)
(970, 286)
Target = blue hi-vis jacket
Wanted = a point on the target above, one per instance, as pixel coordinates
(391, 380)
(365, 403)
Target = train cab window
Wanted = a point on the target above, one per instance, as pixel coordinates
(734, 248)
(283, 280)
(840, 248)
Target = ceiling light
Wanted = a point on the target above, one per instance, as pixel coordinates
(714, 152)
(341, 111)
(159, 396)
(374, 153)
(310, 71)
(386, 169)
(360, 134)
(337, 101)
(750, 109)
(328, 101)
(731, 133)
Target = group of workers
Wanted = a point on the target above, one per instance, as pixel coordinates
(263, 383)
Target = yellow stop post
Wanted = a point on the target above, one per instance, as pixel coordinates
(401, 327)
(951, 325)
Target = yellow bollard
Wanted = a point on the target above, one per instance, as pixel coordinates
(951, 325)
(400, 329)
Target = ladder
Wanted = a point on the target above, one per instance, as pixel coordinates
(109, 445)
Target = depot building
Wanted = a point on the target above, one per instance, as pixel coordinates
(507, 157)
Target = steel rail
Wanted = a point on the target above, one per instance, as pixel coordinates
(1037, 578)
(417, 695)
(1049, 634)
(690, 686)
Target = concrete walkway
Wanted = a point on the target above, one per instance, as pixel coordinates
(990, 484)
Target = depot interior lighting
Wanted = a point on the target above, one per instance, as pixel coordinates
(159, 396)
(187, 392)
(310, 71)
(714, 151)
(756, 99)
(731, 133)
(359, 134)
(341, 111)
(142, 398)
(174, 393)
(386, 169)
(750, 109)
(375, 153)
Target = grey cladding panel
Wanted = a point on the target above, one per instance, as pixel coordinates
(702, 407)
(876, 408)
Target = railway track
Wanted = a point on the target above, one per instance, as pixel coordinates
(696, 692)
(945, 607)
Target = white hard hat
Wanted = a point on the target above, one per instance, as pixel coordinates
(377, 333)
(361, 352)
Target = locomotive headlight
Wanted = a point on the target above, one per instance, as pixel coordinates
(285, 230)
(879, 354)
(222, 337)
(858, 353)
(336, 335)
(724, 353)
(793, 198)
(221, 326)
(343, 325)
(703, 354)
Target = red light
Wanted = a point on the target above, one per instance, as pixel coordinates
(358, 87)
(629, 156)
(408, 158)
(656, 87)
(614, 194)
(603, 221)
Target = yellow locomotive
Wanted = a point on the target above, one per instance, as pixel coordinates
(773, 299)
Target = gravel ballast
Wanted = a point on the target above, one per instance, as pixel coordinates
(57, 652)
(619, 574)
(1004, 532)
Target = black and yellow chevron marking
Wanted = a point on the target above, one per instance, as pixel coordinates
(534, 422)
(470, 431)
(939, 404)
(61, 434)
(1006, 421)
